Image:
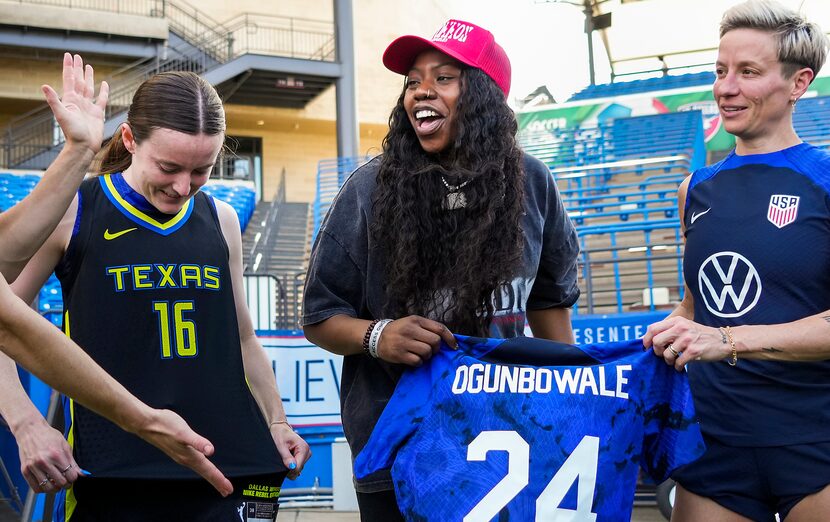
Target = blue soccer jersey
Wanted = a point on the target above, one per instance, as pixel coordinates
(527, 429)
(757, 252)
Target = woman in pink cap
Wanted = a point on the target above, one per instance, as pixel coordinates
(451, 229)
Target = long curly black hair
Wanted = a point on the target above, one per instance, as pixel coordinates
(447, 264)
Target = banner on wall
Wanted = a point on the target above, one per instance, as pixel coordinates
(308, 378)
(590, 329)
(590, 113)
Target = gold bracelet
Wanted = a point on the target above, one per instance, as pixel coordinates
(281, 422)
(728, 332)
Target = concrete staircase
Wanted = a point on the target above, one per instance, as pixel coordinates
(291, 246)
(277, 244)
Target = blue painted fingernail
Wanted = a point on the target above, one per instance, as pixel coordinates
(292, 466)
(85, 472)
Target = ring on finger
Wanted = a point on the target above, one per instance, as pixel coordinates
(43, 482)
(63, 472)
(672, 350)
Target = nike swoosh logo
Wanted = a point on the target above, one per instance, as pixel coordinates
(696, 215)
(109, 237)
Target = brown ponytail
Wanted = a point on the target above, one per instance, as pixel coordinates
(114, 157)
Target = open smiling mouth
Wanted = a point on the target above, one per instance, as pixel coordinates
(732, 110)
(427, 121)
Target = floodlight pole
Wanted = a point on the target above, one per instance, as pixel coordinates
(588, 9)
(589, 31)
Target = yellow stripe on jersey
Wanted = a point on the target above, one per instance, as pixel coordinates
(181, 214)
(71, 502)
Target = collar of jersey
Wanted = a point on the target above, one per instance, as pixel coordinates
(141, 217)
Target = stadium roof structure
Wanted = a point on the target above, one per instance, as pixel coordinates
(641, 38)
(647, 38)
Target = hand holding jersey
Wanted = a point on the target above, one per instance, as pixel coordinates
(413, 340)
(689, 341)
(504, 428)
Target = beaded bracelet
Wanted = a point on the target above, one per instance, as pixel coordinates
(367, 335)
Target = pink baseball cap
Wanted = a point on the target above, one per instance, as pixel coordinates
(466, 42)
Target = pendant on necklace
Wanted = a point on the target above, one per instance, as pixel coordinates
(455, 200)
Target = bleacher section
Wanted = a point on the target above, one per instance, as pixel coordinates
(642, 137)
(241, 197)
(811, 120)
(662, 83)
(619, 182)
(50, 301)
(14, 187)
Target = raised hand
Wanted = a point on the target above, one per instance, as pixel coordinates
(80, 116)
(170, 433)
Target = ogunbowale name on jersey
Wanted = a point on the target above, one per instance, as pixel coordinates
(527, 429)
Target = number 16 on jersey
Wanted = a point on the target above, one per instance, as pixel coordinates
(175, 330)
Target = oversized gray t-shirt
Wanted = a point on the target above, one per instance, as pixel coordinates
(346, 276)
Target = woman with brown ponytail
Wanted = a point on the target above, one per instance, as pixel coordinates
(151, 273)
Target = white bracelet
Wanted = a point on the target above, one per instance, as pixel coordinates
(374, 338)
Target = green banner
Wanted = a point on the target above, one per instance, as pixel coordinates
(557, 118)
(587, 114)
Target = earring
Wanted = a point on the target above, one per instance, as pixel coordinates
(794, 102)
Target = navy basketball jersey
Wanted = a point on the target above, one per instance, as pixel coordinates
(149, 298)
(758, 252)
(529, 429)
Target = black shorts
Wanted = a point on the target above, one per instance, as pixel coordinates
(254, 499)
(757, 482)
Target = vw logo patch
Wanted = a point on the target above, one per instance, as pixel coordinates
(729, 284)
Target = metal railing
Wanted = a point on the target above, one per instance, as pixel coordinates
(293, 37)
(613, 277)
(134, 7)
(274, 300)
(31, 139)
(289, 307)
(257, 259)
(35, 136)
(288, 283)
